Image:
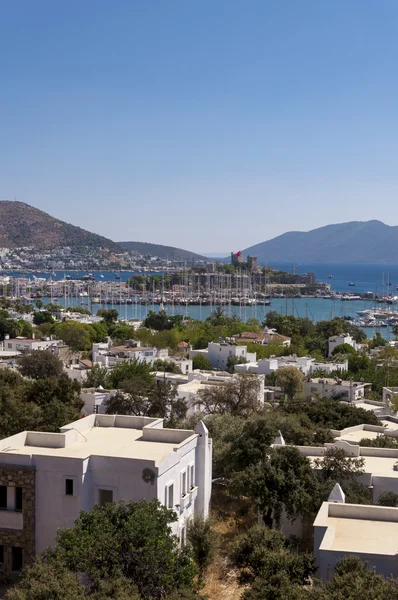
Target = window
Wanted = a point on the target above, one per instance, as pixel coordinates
(1, 555)
(192, 476)
(68, 487)
(16, 559)
(9, 345)
(105, 496)
(18, 498)
(169, 496)
(3, 497)
(183, 483)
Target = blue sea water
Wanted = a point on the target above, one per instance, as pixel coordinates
(368, 277)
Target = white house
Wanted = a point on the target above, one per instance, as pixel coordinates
(368, 532)
(21, 344)
(336, 340)
(380, 464)
(335, 388)
(108, 356)
(189, 385)
(94, 400)
(306, 364)
(265, 337)
(46, 479)
(219, 353)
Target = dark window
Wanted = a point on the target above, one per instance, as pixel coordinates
(3, 497)
(105, 496)
(18, 498)
(16, 559)
(69, 487)
(1, 555)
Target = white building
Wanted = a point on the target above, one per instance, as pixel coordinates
(189, 385)
(336, 340)
(335, 388)
(380, 464)
(265, 337)
(94, 400)
(306, 364)
(368, 532)
(107, 356)
(46, 479)
(21, 344)
(219, 353)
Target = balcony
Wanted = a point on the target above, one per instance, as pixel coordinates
(10, 519)
(185, 500)
(193, 492)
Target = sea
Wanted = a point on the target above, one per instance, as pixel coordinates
(367, 277)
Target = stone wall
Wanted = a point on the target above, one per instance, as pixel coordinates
(24, 477)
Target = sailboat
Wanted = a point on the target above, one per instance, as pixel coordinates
(352, 283)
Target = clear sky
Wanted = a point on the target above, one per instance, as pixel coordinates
(209, 124)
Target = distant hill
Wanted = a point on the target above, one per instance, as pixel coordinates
(167, 252)
(368, 241)
(24, 225)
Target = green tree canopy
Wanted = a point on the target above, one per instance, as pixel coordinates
(133, 540)
(40, 364)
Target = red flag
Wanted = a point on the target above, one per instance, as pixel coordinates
(238, 253)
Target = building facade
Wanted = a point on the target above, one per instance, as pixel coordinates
(46, 479)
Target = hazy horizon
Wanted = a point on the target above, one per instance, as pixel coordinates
(182, 124)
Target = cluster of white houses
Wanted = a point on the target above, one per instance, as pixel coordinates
(46, 479)
(366, 531)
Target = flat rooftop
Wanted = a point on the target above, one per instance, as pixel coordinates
(132, 441)
(355, 434)
(363, 536)
(359, 529)
(378, 466)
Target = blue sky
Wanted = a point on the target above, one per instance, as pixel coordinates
(210, 125)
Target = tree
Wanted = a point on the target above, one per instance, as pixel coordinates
(330, 413)
(201, 362)
(48, 579)
(132, 369)
(353, 580)
(40, 364)
(96, 376)
(161, 320)
(148, 399)
(264, 552)
(74, 334)
(42, 317)
(167, 366)
(388, 499)
(203, 540)
(108, 315)
(238, 397)
(283, 481)
(133, 540)
(290, 380)
(343, 349)
(336, 465)
(235, 360)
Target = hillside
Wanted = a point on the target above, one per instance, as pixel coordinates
(371, 241)
(24, 225)
(167, 252)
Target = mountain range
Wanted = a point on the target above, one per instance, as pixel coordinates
(356, 241)
(167, 252)
(24, 225)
